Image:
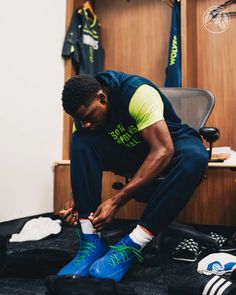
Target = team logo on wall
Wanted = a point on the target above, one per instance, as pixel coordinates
(216, 19)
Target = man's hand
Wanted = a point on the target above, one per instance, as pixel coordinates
(69, 215)
(104, 214)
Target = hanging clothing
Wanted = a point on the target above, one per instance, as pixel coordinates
(173, 70)
(82, 44)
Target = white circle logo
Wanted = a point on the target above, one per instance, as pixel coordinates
(216, 19)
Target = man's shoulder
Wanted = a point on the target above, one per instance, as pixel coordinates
(109, 78)
(109, 73)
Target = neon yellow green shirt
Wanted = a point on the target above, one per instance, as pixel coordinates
(146, 106)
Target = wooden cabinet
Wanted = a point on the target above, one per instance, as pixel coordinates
(214, 200)
(62, 188)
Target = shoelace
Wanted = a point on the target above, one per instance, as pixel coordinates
(85, 250)
(122, 253)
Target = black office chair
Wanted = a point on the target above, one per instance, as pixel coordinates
(193, 106)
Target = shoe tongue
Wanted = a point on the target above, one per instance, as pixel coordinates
(129, 242)
(89, 237)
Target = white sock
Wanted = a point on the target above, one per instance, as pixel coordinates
(86, 226)
(141, 236)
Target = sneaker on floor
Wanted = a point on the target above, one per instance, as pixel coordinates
(91, 248)
(117, 261)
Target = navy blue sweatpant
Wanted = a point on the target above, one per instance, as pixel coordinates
(91, 154)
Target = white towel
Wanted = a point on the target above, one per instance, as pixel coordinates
(217, 263)
(37, 229)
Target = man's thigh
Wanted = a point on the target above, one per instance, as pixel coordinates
(112, 156)
(190, 154)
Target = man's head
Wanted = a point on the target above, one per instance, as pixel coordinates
(84, 99)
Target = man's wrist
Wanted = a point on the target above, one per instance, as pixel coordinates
(120, 199)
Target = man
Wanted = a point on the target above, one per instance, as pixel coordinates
(124, 123)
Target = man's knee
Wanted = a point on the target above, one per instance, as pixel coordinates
(79, 144)
(83, 143)
(194, 164)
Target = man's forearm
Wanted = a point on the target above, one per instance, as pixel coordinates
(152, 167)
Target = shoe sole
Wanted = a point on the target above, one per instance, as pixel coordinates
(227, 250)
(184, 259)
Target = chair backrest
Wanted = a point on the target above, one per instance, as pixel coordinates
(192, 105)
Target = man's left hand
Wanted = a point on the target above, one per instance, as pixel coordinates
(104, 214)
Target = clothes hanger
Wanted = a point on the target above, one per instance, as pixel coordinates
(171, 2)
(89, 10)
(227, 3)
(224, 5)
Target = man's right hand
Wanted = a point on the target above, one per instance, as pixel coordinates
(70, 216)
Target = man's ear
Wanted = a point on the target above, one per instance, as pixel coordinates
(102, 97)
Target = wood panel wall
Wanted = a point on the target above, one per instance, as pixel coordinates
(188, 47)
(135, 35)
(71, 5)
(216, 62)
(210, 62)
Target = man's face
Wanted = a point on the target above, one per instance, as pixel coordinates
(94, 116)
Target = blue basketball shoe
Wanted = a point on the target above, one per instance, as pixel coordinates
(91, 248)
(117, 261)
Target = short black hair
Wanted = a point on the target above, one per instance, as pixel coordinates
(79, 90)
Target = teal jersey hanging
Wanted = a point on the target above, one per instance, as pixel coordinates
(173, 70)
(83, 45)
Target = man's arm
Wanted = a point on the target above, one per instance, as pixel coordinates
(159, 157)
(161, 151)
